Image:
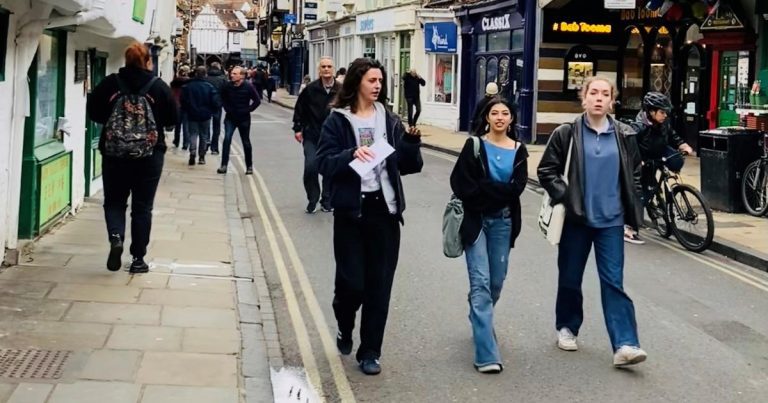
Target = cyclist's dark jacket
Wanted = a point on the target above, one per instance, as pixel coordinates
(652, 140)
(552, 167)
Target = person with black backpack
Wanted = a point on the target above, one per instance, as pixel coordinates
(134, 106)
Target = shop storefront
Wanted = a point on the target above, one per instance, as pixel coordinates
(440, 106)
(316, 47)
(381, 35)
(46, 179)
(492, 51)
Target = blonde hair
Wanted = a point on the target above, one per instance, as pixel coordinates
(588, 82)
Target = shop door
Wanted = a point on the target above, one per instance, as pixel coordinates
(504, 70)
(388, 60)
(693, 93)
(405, 66)
(729, 66)
(93, 129)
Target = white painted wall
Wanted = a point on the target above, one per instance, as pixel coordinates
(209, 34)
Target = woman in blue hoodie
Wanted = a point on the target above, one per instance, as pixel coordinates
(368, 210)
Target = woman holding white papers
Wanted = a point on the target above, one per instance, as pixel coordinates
(368, 203)
(489, 177)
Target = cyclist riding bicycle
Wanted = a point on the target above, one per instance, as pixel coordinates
(656, 139)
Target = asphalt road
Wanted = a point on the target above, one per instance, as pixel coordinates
(702, 319)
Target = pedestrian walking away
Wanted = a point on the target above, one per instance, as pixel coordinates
(200, 101)
(218, 79)
(259, 81)
(491, 90)
(412, 82)
(312, 107)
(239, 99)
(489, 186)
(368, 210)
(180, 137)
(131, 168)
(600, 196)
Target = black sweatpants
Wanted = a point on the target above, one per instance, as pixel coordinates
(366, 251)
(139, 179)
(311, 172)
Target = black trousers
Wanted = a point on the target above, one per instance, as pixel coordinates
(413, 103)
(366, 251)
(311, 172)
(139, 179)
(215, 130)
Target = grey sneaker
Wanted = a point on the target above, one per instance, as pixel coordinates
(566, 340)
(629, 355)
(490, 369)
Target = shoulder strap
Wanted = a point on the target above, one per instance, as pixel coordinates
(145, 89)
(568, 160)
(476, 149)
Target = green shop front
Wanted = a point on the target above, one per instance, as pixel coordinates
(46, 178)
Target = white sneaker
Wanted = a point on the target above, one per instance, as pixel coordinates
(566, 340)
(490, 369)
(629, 355)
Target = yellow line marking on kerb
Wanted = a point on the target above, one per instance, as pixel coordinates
(329, 344)
(302, 335)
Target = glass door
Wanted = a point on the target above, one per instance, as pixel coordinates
(692, 96)
(405, 66)
(729, 66)
(93, 129)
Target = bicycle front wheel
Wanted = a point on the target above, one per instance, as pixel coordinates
(691, 218)
(754, 188)
(657, 212)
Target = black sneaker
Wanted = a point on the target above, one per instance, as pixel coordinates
(138, 266)
(222, 170)
(326, 208)
(115, 253)
(370, 366)
(249, 171)
(344, 344)
(311, 208)
(215, 152)
(201, 161)
(191, 160)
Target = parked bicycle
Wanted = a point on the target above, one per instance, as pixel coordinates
(754, 186)
(680, 209)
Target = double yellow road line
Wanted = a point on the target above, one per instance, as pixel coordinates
(268, 213)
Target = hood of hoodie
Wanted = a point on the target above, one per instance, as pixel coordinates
(134, 77)
(381, 117)
(642, 118)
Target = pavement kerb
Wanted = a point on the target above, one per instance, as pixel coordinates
(255, 368)
(721, 246)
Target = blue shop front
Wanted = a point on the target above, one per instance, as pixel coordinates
(492, 36)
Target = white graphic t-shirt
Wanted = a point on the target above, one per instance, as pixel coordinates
(366, 133)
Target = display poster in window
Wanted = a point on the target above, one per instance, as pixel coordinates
(55, 188)
(578, 73)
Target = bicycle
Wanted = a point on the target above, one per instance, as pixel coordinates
(754, 186)
(680, 209)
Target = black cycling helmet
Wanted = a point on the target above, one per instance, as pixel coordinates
(655, 101)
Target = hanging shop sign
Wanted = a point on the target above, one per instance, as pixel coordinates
(619, 4)
(722, 19)
(310, 11)
(440, 37)
(503, 22)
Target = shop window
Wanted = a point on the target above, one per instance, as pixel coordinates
(579, 65)
(48, 87)
(236, 38)
(499, 41)
(518, 36)
(632, 83)
(482, 42)
(443, 70)
(492, 71)
(480, 80)
(661, 64)
(369, 47)
(3, 41)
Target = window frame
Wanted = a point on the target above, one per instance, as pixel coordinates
(431, 65)
(61, 73)
(4, 27)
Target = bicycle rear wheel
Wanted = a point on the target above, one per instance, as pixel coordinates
(754, 188)
(691, 218)
(658, 215)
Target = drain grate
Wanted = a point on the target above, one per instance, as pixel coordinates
(32, 364)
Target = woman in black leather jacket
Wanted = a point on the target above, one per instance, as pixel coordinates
(600, 197)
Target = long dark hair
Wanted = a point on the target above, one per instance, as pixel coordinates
(347, 97)
(512, 131)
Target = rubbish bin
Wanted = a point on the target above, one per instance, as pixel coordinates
(724, 153)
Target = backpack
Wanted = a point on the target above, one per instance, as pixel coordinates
(131, 130)
(454, 215)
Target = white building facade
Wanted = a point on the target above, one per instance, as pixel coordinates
(56, 52)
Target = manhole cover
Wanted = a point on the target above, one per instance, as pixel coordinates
(32, 364)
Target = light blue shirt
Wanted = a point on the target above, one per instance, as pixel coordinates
(501, 162)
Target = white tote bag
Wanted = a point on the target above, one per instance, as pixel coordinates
(552, 218)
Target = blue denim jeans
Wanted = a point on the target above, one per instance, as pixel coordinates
(199, 136)
(618, 309)
(487, 261)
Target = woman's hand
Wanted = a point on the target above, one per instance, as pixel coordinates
(364, 154)
(414, 131)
